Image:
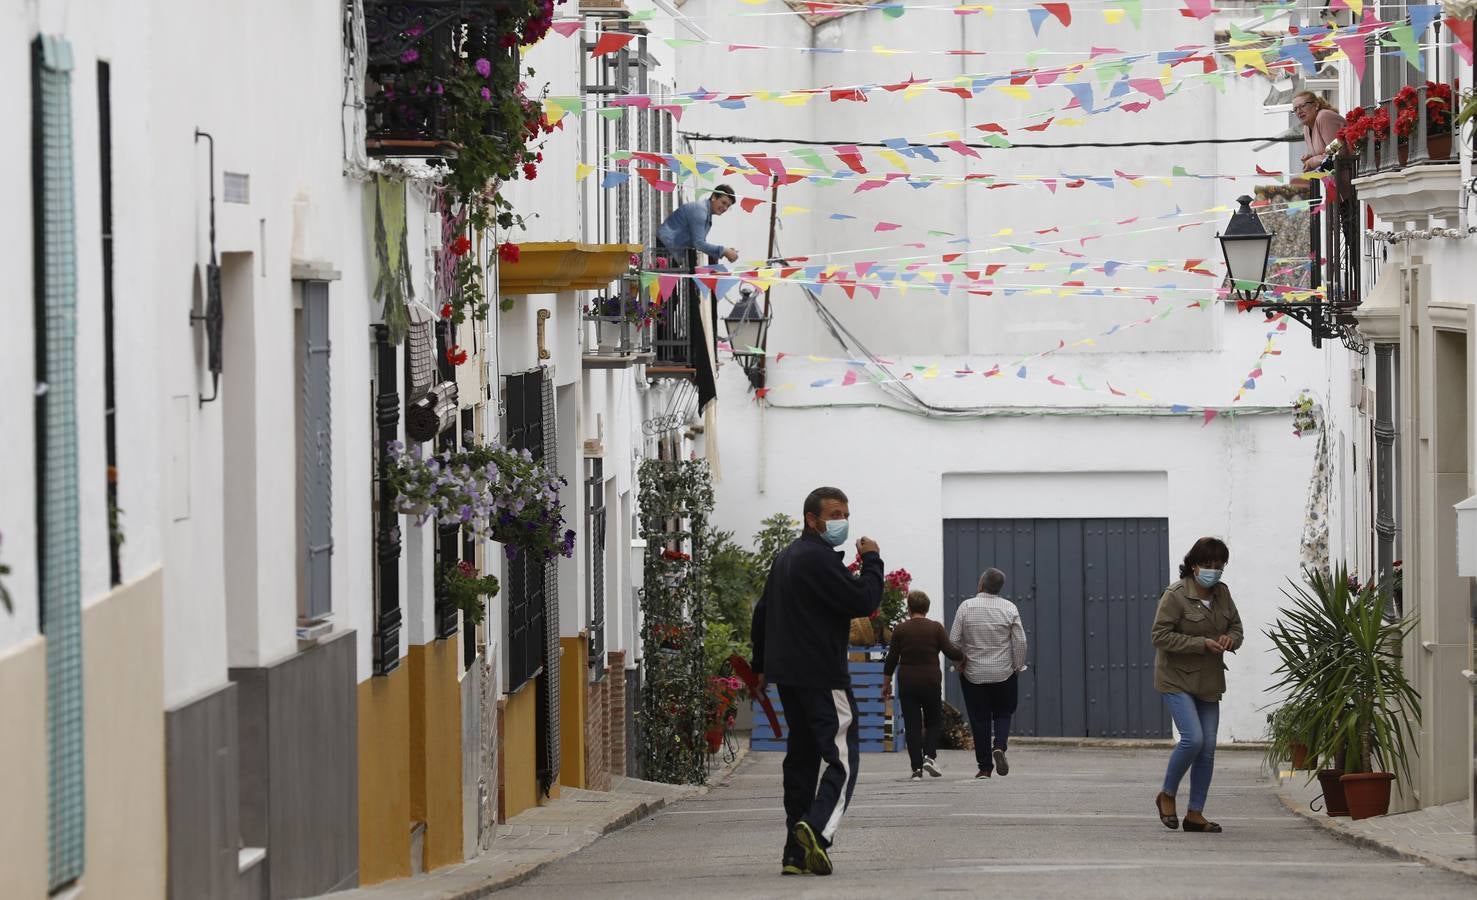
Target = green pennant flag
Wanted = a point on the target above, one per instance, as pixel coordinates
(1135, 9)
(1180, 172)
(1242, 35)
(894, 11)
(677, 43)
(643, 15)
(1165, 314)
(570, 105)
(940, 234)
(995, 140)
(1404, 37)
(1216, 79)
(613, 112)
(810, 157)
(1242, 284)
(1082, 384)
(1020, 248)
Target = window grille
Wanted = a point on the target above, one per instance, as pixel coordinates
(550, 693)
(316, 462)
(594, 540)
(522, 394)
(58, 543)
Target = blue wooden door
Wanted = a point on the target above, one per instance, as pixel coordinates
(1087, 590)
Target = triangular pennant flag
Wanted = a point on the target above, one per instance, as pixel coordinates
(566, 27)
(611, 42)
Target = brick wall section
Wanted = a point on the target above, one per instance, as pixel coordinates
(597, 742)
(615, 705)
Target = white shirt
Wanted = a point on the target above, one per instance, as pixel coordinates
(988, 629)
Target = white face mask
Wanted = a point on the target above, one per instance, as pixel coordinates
(835, 533)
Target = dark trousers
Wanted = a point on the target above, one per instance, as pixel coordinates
(990, 707)
(823, 728)
(923, 718)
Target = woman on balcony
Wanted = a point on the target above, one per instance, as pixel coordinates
(1321, 124)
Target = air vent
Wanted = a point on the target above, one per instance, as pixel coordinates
(237, 187)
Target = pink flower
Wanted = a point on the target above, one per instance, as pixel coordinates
(410, 56)
(486, 95)
(484, 68)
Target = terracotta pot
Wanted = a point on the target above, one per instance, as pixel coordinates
(1368, 793)
(1403, 149)
(1300, 757)
(1333, 792)
(1438, 146)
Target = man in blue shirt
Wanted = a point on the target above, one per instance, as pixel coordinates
(687, 227)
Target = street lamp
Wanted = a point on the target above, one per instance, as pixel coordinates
(747, 328)
(1247, 247)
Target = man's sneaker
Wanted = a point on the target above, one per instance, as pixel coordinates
(817, 860)
(917, 775)
(932, 767)
(1002, 765)
(982, 773)
(792, 866)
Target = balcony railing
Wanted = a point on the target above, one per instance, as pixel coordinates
(412, 50)
(1334, 237)
(675, 324)
(620, 319)
(1383, 152)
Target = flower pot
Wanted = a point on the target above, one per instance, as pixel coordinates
(1438, 146)
(608, 334)
(1333, 792)
(1368, 793)
(1402, 149)
(1300, 757)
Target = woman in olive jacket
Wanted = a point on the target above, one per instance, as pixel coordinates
(1195, 626)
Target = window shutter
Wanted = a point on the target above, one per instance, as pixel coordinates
(317, 450)
(551, 587)
(58, 530)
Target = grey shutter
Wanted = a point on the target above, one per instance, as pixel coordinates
(551, 588)
(59, 541)
(317, 453)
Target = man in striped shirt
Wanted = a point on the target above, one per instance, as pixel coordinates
(987, 627)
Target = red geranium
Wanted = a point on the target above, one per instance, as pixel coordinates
(456, 355)
(508, 252)
(446, 311)
(530, 171)
(1438, 106)
(466, 568)
(460, 246)
(675, 556)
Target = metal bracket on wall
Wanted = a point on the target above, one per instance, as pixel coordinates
(543, 320)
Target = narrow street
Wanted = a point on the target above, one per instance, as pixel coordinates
(1065, 823)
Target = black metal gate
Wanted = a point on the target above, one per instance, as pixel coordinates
(1087, 590)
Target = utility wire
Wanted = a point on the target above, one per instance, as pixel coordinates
(740, 139)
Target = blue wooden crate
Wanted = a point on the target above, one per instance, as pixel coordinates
(879, 730)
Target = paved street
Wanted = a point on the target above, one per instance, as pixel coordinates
(1065, 823)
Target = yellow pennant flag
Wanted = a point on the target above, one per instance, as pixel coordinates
(689, 162)
(793, 209)
(1069, 123)
(884, 51)
(1113, 16)
(1252, 58)
(1014, 90)
(1004, 232)
(931, 372)
(912, 91)
(1036, 267)
(582, 171)
(895, 158)
(794, 99)
(553, 112)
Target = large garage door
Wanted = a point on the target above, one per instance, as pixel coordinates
(1087, 590)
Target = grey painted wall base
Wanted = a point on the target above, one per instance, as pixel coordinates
(202, 796)
(299, 768)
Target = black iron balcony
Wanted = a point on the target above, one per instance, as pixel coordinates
(413, 50)
(1428, 141)
(675, 328)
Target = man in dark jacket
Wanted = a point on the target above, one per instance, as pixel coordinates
(800, 632)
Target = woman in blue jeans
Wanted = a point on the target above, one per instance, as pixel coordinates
(1195, 626)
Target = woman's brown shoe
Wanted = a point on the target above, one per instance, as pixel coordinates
(1202, 827)
(1170, 820)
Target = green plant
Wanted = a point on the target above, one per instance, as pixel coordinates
(1341, 666)
(466, 588)
(733, 586)
(775, 534)
(721, 642)
(1469, 107)
(1288, 727)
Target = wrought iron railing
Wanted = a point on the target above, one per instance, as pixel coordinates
(1383, 151)
(412, 50)
(1334, 236)
(621, 316)
(675, 322)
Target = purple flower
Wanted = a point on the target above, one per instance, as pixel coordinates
(487, 95)
(510, 551)
(415, 30)
(410, 56)
(484, 68)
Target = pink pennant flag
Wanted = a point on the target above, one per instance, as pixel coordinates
(887, 226)
(665, 285)
(863, 268)
(874, 290)
(566, 27)
(849, 378)
(1197, 9)
(1209, 414)
(1353, 48)
(962, 148)
(1462, 28)
(1056, 381)
(1151, 86)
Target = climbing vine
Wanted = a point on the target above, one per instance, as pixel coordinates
(676, 498)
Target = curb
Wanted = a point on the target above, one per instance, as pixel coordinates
(1125, 743)
(643, 811)
(1398, 851)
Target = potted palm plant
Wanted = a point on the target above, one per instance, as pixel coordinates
(1359, 703)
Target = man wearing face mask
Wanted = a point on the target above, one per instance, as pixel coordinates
(800, 633)
(1195, 626)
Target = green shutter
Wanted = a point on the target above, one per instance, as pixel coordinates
(59, 562)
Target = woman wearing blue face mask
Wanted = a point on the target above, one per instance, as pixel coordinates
(1195, 626)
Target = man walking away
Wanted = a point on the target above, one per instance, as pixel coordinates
(800, 632)
(914, 654)
(987, 627)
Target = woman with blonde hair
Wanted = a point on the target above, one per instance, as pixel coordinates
(1321, 124)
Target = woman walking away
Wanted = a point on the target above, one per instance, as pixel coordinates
(914, 655)
(1195, 626)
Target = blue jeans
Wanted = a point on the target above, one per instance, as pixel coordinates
(1197, 721)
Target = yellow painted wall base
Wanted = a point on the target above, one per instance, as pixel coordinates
(573, 685)
(436, 750)
(384, 777)
(23, 774)
(518, 777)
(123, 727)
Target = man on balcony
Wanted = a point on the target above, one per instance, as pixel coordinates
(688, 225)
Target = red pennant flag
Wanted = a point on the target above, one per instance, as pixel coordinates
(1062, 11)
(852, 94)
(611, 42)
(992, 268)
(964, 92)
(1261, 171)
(1209, 414)
(1043, 125)
(851, 157)
(1114, 391)
(749, 204)
(993, 127)
(1462, 28)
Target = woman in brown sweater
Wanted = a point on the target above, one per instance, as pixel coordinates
(914, 655)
